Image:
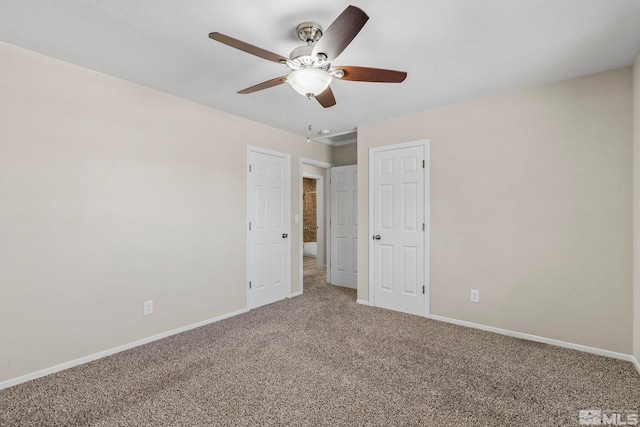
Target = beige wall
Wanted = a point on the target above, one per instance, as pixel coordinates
(345, 155)
(636, 209)
(113, 194)
(530, 204)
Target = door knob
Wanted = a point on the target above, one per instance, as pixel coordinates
(377, 237)
(285, 235)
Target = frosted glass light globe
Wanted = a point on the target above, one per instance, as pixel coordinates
(309, 81)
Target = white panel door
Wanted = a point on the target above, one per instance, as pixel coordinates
(398, 229)
(344, 224)
(268, 210)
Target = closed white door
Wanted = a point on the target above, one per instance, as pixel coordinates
(268, 210)
(344, 224)
(398, 238)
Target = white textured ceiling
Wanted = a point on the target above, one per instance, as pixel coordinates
(453, 50)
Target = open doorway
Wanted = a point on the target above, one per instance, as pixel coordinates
(314, 219)
(312, 216)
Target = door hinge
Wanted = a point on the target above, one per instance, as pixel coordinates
(249, 168)
(423, 289)
(423, 226)
(249, 284)
(423, 164)
(249, 225)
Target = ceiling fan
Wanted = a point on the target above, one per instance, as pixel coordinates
(310, 65)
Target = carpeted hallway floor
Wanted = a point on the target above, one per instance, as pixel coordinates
(322, 359)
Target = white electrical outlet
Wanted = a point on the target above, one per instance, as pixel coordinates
(147, 307)
(475, 295)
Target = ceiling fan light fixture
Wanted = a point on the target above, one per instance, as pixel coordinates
(309, 81)
(311, 72)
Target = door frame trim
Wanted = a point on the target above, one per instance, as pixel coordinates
(427, 217)
(287, 221)
(327, 167)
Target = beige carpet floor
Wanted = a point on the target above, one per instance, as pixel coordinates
(322, 360)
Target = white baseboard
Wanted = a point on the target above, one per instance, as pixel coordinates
(105, 353)
(338, 285)
(295, 294)
(636, 364)
(579, 347)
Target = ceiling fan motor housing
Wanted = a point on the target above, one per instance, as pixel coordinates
(301, 57)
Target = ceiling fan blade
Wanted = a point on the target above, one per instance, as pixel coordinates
(326, 98)
(249, 48)
(378, 75)
(341, 32)
(264, 85)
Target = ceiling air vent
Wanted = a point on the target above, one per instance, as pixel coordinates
(338, 139)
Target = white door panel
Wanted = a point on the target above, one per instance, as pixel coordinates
(344, 236)
(399, 231)
(268, 216)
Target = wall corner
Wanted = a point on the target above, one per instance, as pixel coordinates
(636, 208)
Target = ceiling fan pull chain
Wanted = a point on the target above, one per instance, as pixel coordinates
(309, 121)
